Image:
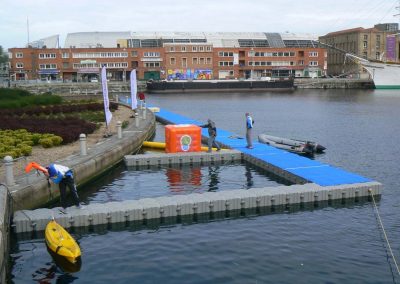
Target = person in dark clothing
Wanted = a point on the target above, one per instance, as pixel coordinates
(64, 177)
(212, 133)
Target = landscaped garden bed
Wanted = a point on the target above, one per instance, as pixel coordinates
(45, 116)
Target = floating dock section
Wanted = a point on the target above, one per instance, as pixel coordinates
(315, 182)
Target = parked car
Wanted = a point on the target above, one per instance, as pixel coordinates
(94, 80)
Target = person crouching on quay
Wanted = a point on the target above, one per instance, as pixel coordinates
(64, 176)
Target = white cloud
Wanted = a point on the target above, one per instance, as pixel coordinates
(307, 16)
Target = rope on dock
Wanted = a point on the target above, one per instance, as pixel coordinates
(378, 217)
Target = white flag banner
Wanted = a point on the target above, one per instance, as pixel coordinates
(105, 95)
(133, 89)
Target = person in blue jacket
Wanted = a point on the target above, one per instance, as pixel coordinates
(249, 127)
(64, 177)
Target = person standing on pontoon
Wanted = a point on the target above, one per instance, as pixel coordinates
(212, 133)
(249, 127)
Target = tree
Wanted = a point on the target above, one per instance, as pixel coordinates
(3, 56)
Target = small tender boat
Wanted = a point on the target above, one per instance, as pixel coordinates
(61, 242)
(292, 145)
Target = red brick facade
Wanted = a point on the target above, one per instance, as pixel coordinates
(173, 61)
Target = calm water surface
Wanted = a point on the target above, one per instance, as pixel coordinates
(361, 130)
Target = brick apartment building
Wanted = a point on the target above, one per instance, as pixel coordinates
(171, 56)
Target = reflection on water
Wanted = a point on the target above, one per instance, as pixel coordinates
(64, 264)
(128, 183)
(184, 179)
(213, 177)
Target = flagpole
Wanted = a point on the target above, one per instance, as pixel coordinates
(133, 92)
(107, 112)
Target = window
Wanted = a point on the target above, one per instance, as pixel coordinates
(10, 55)
(225, 63)
(152, 64)
(65, 55)
(208, 60)
(313, 54)
(65, 65)
(183, 48)
(184, 62)
(172, 61)
(134, 53)
(151, 54)
(20, 65)
(365, 45)
(19, 55)
(365, 37)
(194, 60)
(225, 54)
(208, 48)
(47, 55)
(202, 60)
(201, 48)
(377, 55)
(313, 63)
(365, 55)
(48, 66)
(172, 48)
(194, 48)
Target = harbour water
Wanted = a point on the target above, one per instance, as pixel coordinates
(338, 244)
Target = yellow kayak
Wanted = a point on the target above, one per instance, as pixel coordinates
(61, 242)
(161, 145)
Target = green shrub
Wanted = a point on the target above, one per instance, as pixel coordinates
(26, 142)
(35, 138)
(17, 152)
(46, 142)
(26, 150)
(8, 153)
(57, 140)
(125, 124)
(9, 141)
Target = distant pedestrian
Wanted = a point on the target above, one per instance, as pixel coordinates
(64, 177)
(212, 134)
(249, 127)
(142, 98)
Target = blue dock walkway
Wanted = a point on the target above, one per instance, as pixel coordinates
(310, 170)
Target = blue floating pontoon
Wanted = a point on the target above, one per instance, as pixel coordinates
(310, 170)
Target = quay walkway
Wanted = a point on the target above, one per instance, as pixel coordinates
(315, 183)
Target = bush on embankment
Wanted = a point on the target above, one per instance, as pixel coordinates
(17, 143)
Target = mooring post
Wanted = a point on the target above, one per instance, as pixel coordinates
(82, 140)
(119, 129)
(137, 119)
(144, 111)
(9, 170)
(116, 98)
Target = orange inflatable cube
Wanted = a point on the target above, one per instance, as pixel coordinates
(182, 138)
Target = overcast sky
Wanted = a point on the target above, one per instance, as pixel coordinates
(319, 17)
